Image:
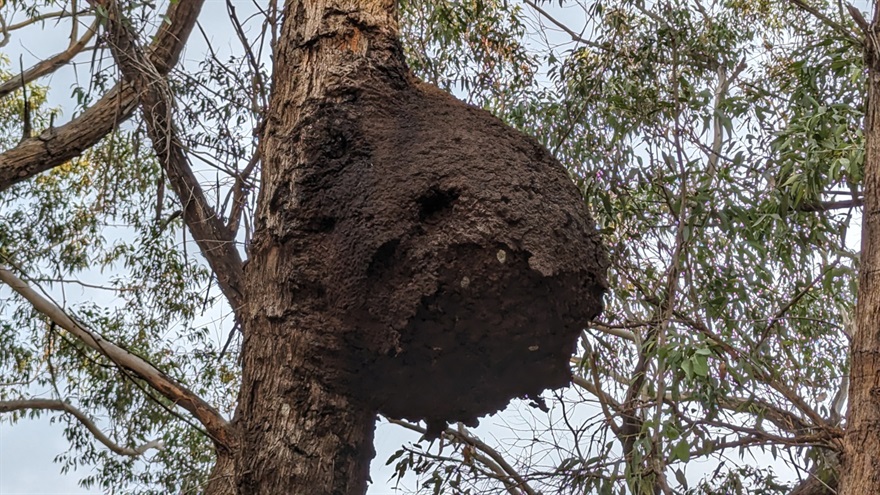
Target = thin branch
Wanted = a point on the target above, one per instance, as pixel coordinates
(58, 405)
(48, 65)
(57, 145)
(790, 304)
(782, 419)
(5, 30)
(240, 189)
(216, 426)
(603, 396)
(824, 19)
(58, 14)
(610, 330)
(464, 437)
(259, 87)
(831, 205)
(214, 239)
(574, 36)
(839, 399)
(721, 89)
(83, 284)
(764, 376)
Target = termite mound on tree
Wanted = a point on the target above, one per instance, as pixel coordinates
(452, 256)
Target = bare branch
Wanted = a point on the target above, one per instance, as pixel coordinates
(58, 14)
(48, 65)
(216, 426)
(58, 405)
(239, 191)
(466, 438)
(214, 239)
(58, 145)
(574, 36)
(610, 330)
(782, 419)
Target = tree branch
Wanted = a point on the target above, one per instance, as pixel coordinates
(56, 146)
(466, 438)
(824, 19)
(216, 426)
(239, 192)
(574, 36)
(48, 65)
(814, 206)
(58, 14)
(215, 240)
(57, 405)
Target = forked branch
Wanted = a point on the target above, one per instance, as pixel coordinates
(824, 19)
(214, 239)
(510, 477)
(56, 146)
(214, 423)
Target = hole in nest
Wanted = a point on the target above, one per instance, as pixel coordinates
(434, 202)
(383, 259)
(320, 224)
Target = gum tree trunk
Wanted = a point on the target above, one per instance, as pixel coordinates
(860, 472)
(301, 431)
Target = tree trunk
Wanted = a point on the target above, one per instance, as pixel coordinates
(861, 463)
(301, 430)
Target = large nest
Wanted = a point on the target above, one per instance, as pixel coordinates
(456, 254)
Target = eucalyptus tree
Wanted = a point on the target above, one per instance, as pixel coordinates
(719, 145)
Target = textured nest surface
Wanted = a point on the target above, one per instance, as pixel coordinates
(457, 255)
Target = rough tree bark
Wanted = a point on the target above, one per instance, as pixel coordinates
(860, 472)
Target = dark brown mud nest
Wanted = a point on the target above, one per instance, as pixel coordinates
(456, 255)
